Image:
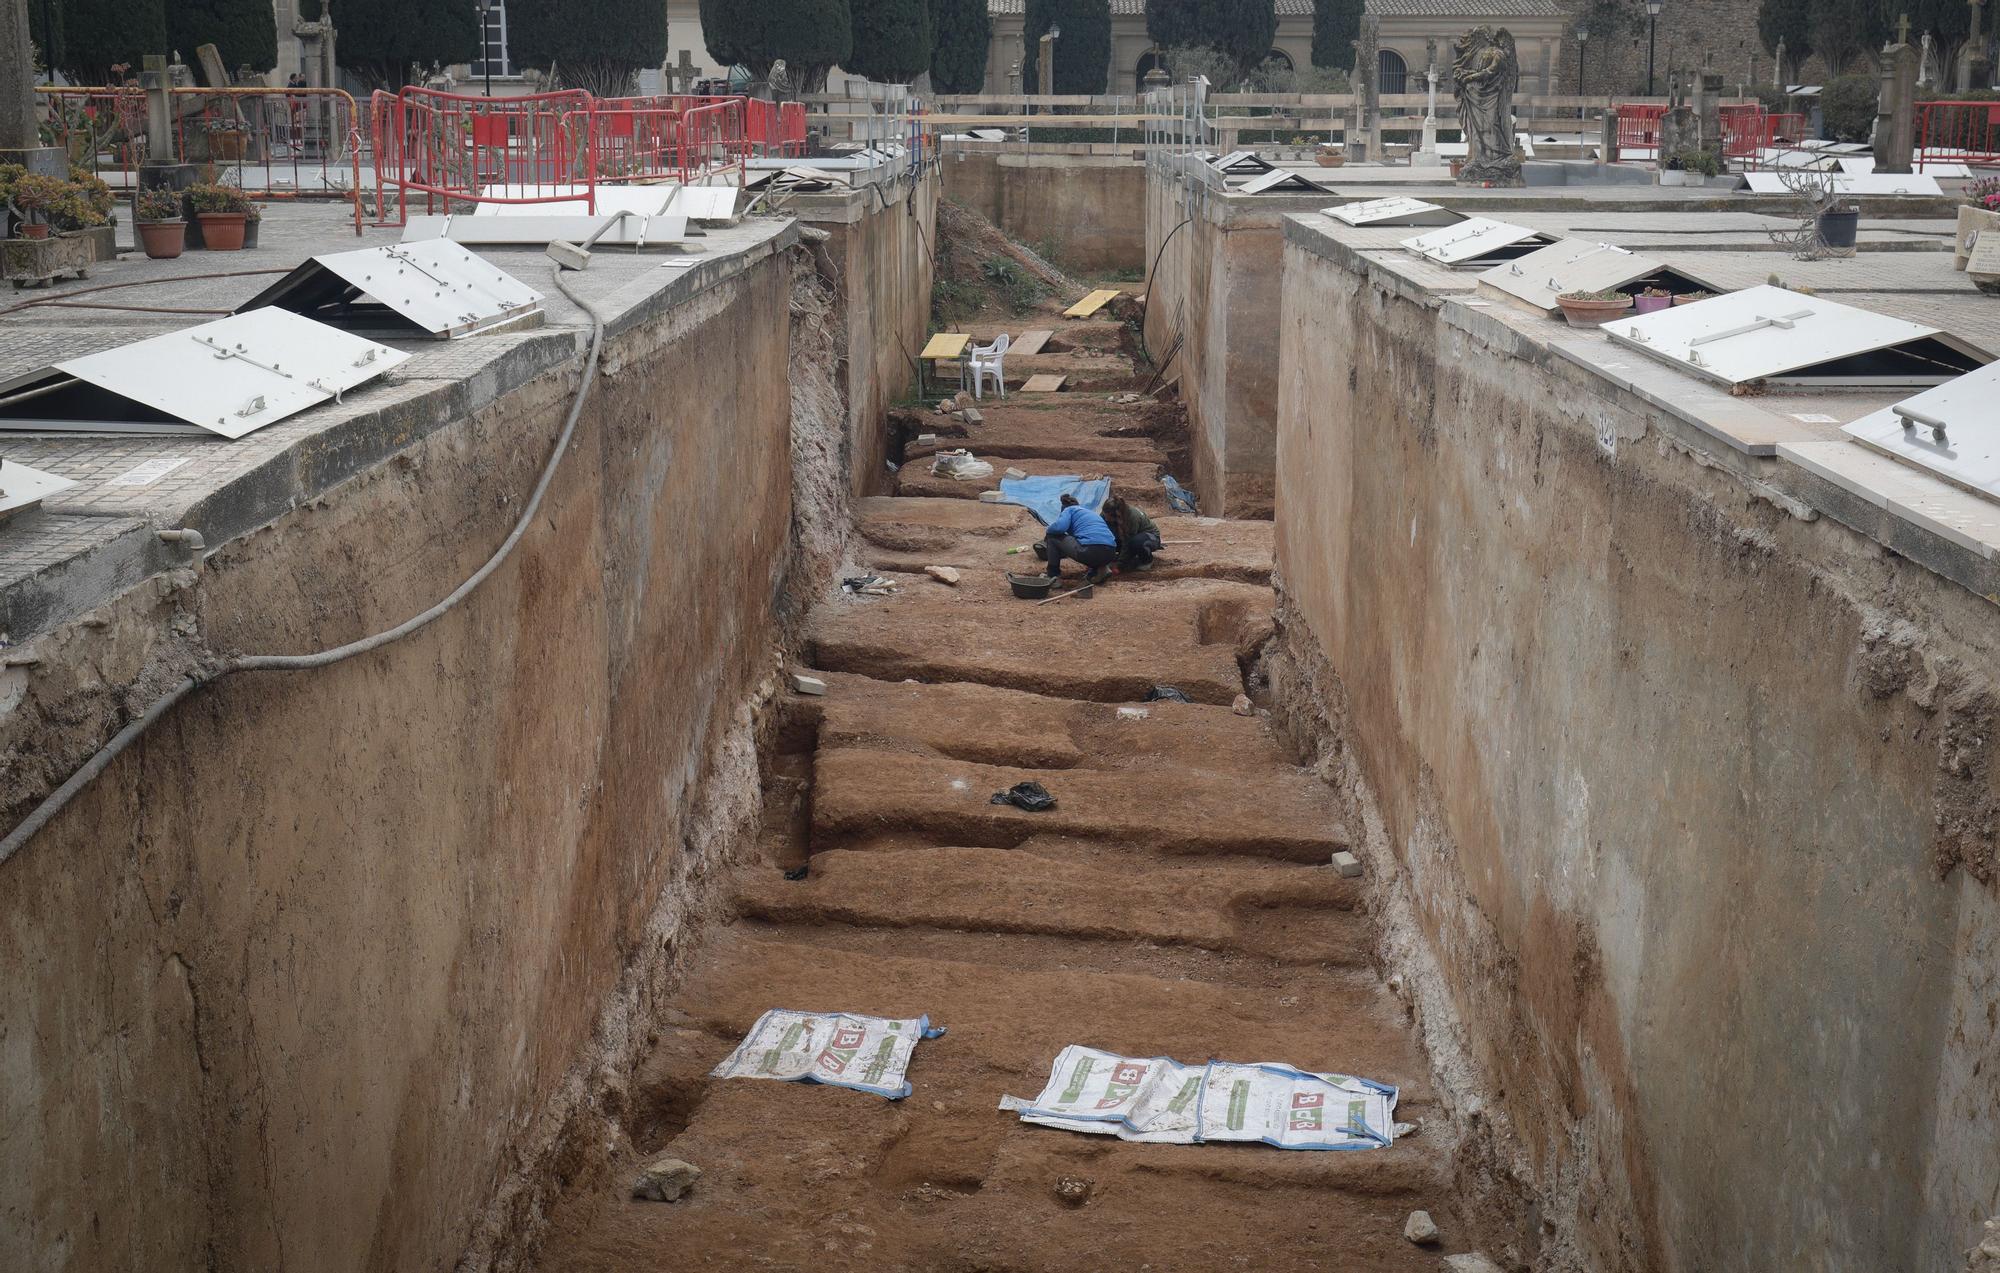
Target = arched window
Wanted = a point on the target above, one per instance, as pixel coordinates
(1147, 61)
(1392, 73)
(1278, 60)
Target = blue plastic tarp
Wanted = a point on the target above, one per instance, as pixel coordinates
(1042, 496)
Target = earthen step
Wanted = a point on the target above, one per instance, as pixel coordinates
(1308, 916)
(833, 1180)
(860, 792)
(908, 542)
(1112, 646)
(995, 726)
(1040, 435)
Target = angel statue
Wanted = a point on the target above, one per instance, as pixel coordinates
(1485, 72)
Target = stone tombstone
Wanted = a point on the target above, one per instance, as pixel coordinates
(1778, 65)
(1485, 72)
(1978, 70)
(1708, 110)
(1896, 106)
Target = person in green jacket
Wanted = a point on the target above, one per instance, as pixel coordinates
(1138, 537)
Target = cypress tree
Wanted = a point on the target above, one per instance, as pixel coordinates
(961, 37)
(1083, 54)
(811, 36)
(891, 40)
(1336, 25)
(242, 31)
(1240, 30)
(49, 43)
(381, 39)
(1790, 21)
(100, 34)
(1845, 29)
(598, 45)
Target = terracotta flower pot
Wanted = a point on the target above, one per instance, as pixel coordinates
(1593, 313)
(163, 240)
(34, 229)
(1689, 298)
(1329, 160)
(222, 231)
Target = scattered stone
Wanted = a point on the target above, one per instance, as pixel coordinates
(924, 439)
(970, 416)
(1017, 474)
(992, 497)
(1242, 706)
(665, 1179)
(1074, 1191)
(1420, 1229)
(945, 406)
(1347, 864)
(803, 684)
(1472, 1263)
(963, 400)
(1985, 1258)
(943, 574)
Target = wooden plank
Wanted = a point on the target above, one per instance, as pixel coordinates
(1030, 343)
(1092, 303)
(946, 345)
(1044, 383)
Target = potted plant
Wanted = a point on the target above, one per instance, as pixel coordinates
(1652, 300)
(1593, 309)
(1838, 227)
(1329, 155)
(1689, 298)
(162, 230)
(1672, 173)
(1980, 213)
(221, 212)
(253, 216)
(33, 198)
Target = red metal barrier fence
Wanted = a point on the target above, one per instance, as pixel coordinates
(1639, 126)
(561, 146)
(1958, 132)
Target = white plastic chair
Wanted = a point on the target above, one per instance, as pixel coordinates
(990, 360)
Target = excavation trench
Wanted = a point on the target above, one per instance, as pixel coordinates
(1178, 901)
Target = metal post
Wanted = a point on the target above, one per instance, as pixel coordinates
(1582, 44)
(1652, 39)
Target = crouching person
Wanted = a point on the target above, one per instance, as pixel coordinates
(1137, 535)
(1081, 536)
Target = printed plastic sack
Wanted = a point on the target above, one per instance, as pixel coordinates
(1151, 1099)
(1293, 1109)
(840, 1049)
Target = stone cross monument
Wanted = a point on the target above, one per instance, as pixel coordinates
(1978, 71)
(1896, 107)
(1778, 65)
(1427, 156)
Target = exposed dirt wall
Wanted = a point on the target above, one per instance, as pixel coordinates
(1092, 207)
(307, 974)
(1684, 794)
(883, 252)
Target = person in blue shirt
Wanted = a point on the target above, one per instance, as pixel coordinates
(1080, 535)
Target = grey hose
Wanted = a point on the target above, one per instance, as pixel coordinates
(61, 796)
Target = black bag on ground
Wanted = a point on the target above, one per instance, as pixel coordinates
(1031, 796)
(1166, 694)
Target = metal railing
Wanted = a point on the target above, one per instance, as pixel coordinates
(1958, 132)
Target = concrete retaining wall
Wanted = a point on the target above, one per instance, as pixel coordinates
(1090, 206)
(310, 972)
(1686, 779)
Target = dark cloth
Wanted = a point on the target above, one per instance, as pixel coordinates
(1095, 556)
(1138, 548)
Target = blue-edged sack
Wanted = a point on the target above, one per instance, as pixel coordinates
(840, 1049)
(1042, 496)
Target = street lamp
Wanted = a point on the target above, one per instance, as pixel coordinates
(1582, 41)
(486, 44)
(1652, 34)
